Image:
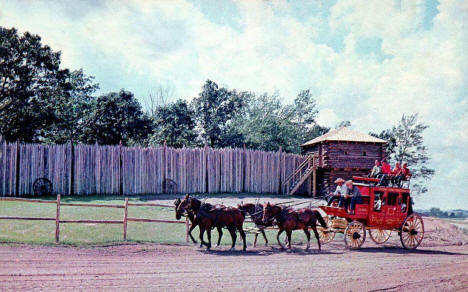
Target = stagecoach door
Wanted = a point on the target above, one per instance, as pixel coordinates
(377, 214)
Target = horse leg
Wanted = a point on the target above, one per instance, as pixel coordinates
(192, 227)
(307, 233)
(220, 235)
(264, 236)
(289, 232)
(208, 233)
(277, 238)
(314, 228)
(255, 240)
(202, 230)
(242, 234)
(232, 231)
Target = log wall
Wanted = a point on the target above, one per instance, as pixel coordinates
(7, 169)
(118, 170)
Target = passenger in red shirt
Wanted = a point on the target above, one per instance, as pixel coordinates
(386, 169)
(396, 173)
(386, 172)
(400, 174)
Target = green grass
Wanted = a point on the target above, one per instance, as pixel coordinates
(43, 232)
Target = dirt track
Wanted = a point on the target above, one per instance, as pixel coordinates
(174, 268)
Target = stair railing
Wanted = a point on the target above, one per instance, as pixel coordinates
(297, 174)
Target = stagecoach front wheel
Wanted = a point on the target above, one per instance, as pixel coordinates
(325, 234)
(379, 236)
(412, 232)
(354, 235)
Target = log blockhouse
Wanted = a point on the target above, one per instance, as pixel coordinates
(339, 153)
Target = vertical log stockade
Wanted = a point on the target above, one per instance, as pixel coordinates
(124, 222)
(119, 170)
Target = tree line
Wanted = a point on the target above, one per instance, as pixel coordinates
(42, 102)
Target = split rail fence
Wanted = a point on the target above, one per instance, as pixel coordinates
(124, 221)
(118, 170)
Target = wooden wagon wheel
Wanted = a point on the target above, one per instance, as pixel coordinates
(354, 235)
(326, 234)
(379, 236)
(412, 232)
(42, 187)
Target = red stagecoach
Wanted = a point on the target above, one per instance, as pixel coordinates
(383, 210)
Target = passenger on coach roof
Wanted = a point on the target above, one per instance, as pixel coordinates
(376, 170)
(404, 174)
(386, 173)
(396, 173)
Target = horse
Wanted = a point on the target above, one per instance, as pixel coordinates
(256, 213)
(289, 220)
(209, 216)
(193, 223)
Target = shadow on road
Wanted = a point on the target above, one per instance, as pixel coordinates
(399, 250)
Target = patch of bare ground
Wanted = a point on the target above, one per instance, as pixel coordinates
(440, 265)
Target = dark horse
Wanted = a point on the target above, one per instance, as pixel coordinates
(256, 213)
(209, 216)
(289, 220)
(193, 223)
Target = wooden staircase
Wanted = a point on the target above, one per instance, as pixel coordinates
(305, 170)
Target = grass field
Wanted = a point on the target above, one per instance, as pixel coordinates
(43, 232)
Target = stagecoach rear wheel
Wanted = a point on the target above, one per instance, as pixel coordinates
(379, 236)
(355, 235)
(412, 232)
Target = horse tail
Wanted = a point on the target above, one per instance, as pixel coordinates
(320, 219)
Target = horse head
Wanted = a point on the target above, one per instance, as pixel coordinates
(182, 206)
(269, 212)
(176, 207)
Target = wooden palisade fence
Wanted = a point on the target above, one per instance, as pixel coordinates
(119, 170)
(124, 221)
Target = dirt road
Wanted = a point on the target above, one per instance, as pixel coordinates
(177, 268)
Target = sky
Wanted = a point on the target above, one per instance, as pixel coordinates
(365, 61)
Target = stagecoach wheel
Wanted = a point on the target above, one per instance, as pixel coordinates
(354, 235)
(412, 232)
(325, 234)
(42, 187)
(379, 236)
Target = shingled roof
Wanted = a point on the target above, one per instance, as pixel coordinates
(344, 134)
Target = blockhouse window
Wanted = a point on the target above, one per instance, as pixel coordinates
(346, 153)
(364, 153)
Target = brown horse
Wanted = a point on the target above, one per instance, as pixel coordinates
(256, 213)
(289, 220)
(193, 223)
(209, 216)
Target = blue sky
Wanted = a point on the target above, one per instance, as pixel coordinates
(365, 61)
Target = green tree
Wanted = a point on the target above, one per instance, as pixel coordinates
(215, 108)
(406, 144)
(175, 124)
(31, 85)
(116, 117)
(77, 104)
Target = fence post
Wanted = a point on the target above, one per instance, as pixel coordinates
(244, 168)
(279, 169)
(17, 169)
(164, 164)
(72, 170)
(120, 169)
(125, 220)
(57, 221)
(187, 228)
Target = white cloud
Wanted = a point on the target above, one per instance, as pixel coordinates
(137, 44)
